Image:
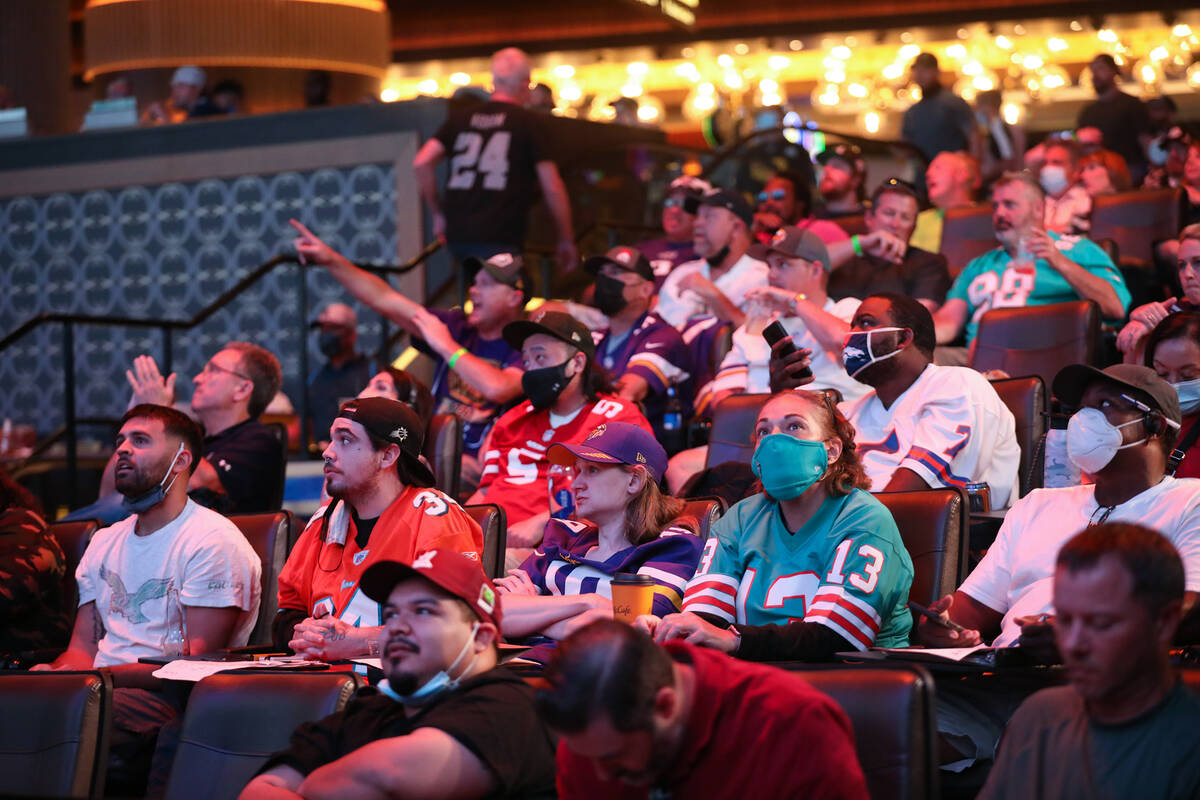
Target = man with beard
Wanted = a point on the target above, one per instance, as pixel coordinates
(383, 507)
(1120, 117)
(714, 286)
(568, 398)
(638, 720)
(1030, 268)
(785, 201)
(447, 723)
(173, 568)
(1125, 726)
(476, 372)
(644, 354)
(841, 183)
(940, 120)
(678, 224)
(923, 425)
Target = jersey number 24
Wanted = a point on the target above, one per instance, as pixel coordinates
(473, 155)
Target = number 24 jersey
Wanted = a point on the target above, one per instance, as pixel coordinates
(846, 569)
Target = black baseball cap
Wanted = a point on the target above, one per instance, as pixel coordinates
(1071, 382)
(732, 202)
(395, 423)
(628, 259)
(851, 154)
(507, 268)
(560, 325)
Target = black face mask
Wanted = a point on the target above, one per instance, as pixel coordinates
(544, 385)
(329, 343)
(609, 295)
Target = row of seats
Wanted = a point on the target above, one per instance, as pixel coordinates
(54, 738)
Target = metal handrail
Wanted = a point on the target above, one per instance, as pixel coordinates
(167, 326)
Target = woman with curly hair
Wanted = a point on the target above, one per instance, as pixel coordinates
(811, 565)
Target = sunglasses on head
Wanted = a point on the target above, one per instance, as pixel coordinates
(775, 194)
(675, 201)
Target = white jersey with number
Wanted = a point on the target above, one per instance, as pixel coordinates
(950, 427)
(676, 304)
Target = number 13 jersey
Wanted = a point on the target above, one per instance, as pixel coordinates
(846, 569)
(492, 152)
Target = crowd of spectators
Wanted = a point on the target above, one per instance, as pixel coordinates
(568, 414)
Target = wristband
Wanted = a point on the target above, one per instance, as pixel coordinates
(858, 251)
(457, 355)
(796, 300)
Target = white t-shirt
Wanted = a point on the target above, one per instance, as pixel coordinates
(200, 553)
(1016, 577)
(950, 427)
(746, 365)
(676, 305)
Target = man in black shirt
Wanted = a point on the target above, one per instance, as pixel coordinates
(499, 159)
(344, 373)
(447, 722)
(920, 274)
(1120, 117)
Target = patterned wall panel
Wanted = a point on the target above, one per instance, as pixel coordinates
(166, 251)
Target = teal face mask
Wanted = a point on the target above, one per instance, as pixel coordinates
(788, 466)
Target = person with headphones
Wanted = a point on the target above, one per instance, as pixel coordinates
(1125, 427)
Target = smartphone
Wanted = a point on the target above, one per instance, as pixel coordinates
(774, 333)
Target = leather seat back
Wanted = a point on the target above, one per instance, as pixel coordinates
(966, 234)
(733, 428)
(1038, 340)
(934, 526)
(494, 522)
(235, 720)
(269, 535)
(706, 511)
(1135, 221)
(443, 450)
(73, 538)
(1026, 398)
(54, 733)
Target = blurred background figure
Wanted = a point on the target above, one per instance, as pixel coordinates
(187, 86)
(541, 98)
(1002, 144)
(345, 371)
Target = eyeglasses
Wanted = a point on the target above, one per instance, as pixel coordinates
(212, 367)
(775, 194)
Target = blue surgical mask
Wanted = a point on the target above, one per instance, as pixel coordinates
(1189, 396)
(140, 505)
(1053, 179)
(788, 466)
(441, 682)
(857, 352)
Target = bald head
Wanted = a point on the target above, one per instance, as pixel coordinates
(510, 74)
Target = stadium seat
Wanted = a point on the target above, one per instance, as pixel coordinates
(54, 733)
(891, 707)
(235, 720)
(1135, 221)
(1038, 340)
(269, 535)
(73, 538)
(706, 511)
(934, 526)
(443, 450)
(1026, 399)
(966, 234)
(732, 428)
(853, 226)
(494, 522)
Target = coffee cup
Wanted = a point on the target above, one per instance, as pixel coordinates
(632, 596)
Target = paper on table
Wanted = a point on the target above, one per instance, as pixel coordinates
(940, 653)
(370, 662)
(185, 670)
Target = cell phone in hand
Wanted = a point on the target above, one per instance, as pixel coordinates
(776, 332)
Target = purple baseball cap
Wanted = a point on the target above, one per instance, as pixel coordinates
(615, 443)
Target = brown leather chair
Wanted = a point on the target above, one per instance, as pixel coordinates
(934, 526)
(268, 534)
(732, 428)
(443, 450)
(54, 733)
(494, 522)
(1135, 221)
(966, 234)
(722, 343)
(706, 511)
(1038, 340)
(73, 538)
(235, 720)
(280, 431)
(853, 226)
(1026, 399)
(891, 707)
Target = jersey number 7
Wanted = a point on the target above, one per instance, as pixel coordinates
(473, 155)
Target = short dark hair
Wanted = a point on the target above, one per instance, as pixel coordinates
(412, 392)
(262, 368)
(801, 190)
(1107, 60)
(1149, 558)
(925, 59)
(407, 476)
(605, 668)
(175, 424)
(909, 313)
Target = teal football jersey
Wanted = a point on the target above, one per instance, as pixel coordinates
(846, 568)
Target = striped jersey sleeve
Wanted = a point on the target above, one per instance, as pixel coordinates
(851, 593)
(714, 588)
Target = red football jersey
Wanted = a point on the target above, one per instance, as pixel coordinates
(321, 573)
(515, 468)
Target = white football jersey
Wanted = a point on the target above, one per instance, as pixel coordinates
(950, 427)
